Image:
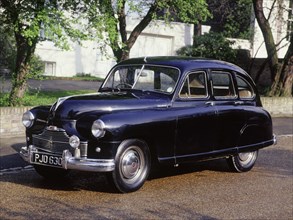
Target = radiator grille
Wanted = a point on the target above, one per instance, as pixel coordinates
(57, 141)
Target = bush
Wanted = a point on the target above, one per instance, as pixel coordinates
(37, 67)
(211, 45)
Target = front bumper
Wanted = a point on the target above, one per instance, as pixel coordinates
(68, 161)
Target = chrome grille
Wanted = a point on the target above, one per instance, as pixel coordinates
(56, 141)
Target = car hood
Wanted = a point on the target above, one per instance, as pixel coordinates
(75, 106)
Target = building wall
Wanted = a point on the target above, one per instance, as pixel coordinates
(158, 39)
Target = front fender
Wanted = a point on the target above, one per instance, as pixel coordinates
(155, 126)
(41, 114)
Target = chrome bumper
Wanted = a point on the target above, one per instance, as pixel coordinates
(275, 139)
(71, 162)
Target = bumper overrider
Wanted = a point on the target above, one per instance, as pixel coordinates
(66, 160)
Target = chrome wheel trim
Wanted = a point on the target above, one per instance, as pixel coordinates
(247, 159)
(132, 165)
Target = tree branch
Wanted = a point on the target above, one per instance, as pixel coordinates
(141, 26)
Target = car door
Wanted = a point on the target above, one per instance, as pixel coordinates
(196, 118)
(231, 116)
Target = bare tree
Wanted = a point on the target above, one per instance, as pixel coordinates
(281, 75)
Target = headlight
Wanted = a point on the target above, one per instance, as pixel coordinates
(98, 128)
(74, 141)
(28, 119)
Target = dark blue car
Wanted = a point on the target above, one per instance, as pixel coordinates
(168, 110)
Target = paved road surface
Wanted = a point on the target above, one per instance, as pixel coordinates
(53, 85)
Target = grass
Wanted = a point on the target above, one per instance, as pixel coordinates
(42, 97)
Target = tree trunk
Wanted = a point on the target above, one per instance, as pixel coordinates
(288, 83)
(123, 53)
(268, 37)
(19, 77)
(120, 54)
(282, 85)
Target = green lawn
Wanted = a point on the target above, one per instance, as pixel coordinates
(42, 98)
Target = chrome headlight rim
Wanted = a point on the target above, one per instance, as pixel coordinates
(28, 119)
(98, 128)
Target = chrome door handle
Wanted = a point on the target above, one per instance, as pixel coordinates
(238, 102)
(211, 103)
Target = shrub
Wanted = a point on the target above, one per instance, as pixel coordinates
(212, 45)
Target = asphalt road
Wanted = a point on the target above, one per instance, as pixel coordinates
(206, 190)
(54, 85)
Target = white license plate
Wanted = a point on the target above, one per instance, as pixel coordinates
(47, 159)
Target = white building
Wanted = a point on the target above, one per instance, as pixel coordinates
(159, 39)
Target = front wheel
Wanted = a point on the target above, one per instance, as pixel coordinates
(242, 162)
(132, 166)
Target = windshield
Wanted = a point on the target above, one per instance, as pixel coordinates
(143, 77)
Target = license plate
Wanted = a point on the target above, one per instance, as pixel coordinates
(47, 159)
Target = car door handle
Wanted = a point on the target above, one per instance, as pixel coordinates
(238, 103)
(211, 103)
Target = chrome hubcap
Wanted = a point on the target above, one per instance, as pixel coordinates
(132, 161)
(245, 156)
(246, 159)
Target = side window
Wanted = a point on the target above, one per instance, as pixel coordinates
(194, 86)
(244, 88)
(223, 87)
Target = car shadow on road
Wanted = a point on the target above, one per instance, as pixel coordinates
(218, 165)
(98, 182)
(267, 164)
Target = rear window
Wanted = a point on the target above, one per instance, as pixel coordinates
(244, 88)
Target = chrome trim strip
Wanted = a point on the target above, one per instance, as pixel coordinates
(40, 120)
(71, 162)
(51, 141)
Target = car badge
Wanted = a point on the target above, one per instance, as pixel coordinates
(52, 128)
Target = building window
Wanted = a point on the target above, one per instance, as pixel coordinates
(50, 68)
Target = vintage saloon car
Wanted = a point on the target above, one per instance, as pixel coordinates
(153, 109)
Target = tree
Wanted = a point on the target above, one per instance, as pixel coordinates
(58, 21)
(111, 19)
(7, 45)
(211, 45)
(231, 17)
(27, 19)
(281, 75)
(268, 37)
(282, 85)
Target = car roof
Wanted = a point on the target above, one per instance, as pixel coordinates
(184, 63)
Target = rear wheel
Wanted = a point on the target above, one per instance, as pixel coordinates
(242, 162)
(132, 166)
(51, 172)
